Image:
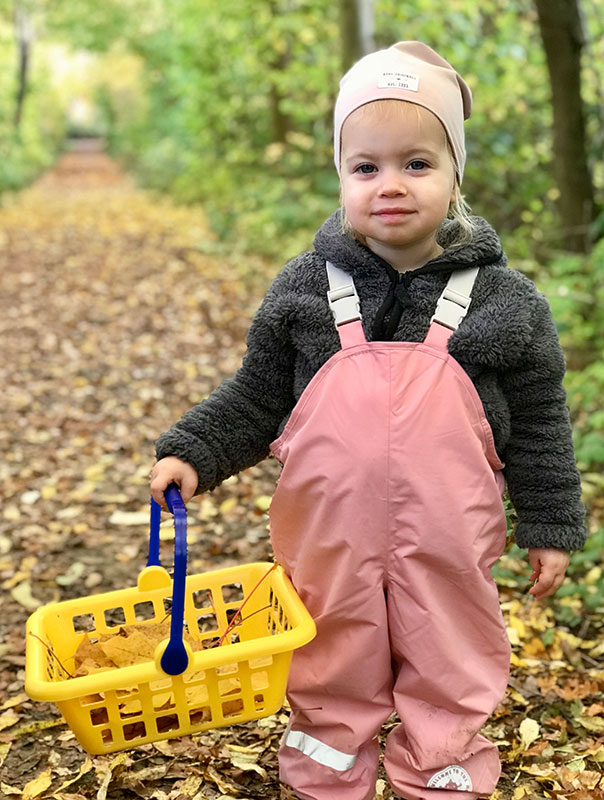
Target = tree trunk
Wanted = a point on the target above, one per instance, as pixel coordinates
(356, 30)
(562, 34)
(281, 123)
(24, 36)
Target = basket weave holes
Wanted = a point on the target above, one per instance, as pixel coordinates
(232, 593)
(202, 598)
(229, 686)
(84, 622)
(169, 723)
(92, 699)
(200, 716)
(99, 716)
(232, 708)
(207, 623)
(134, 730)
(144, 611)
(163, 702)
(115, 616)
(131, 708)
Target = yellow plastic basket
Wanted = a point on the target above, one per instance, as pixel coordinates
(241, 675)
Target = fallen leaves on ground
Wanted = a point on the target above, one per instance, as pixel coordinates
(119, 312)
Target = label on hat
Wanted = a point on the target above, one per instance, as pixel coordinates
(398, 80)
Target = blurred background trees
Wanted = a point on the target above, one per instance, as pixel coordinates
(229, 105)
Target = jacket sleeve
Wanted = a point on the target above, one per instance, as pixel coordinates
(233, 428)
(540, 469)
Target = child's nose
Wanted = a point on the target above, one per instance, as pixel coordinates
(392, 183)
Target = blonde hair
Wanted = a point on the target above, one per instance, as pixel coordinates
(459, 210)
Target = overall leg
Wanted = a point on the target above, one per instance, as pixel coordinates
(451, 646)
(328, 530)
(447, 633)
(340, 693)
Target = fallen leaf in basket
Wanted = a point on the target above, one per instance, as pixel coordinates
(131, 644)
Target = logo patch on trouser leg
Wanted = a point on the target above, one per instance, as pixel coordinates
(453, 777)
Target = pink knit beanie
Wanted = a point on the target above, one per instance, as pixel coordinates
(413, 72)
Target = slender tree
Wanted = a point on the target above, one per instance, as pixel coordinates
(561, 27)
(24, 35)
(356, 30)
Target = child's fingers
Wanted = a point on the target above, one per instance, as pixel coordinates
(170, 471)
(547, 584)
(188, 485)
(157, 487)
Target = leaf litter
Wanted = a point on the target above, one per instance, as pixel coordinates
(119, 313)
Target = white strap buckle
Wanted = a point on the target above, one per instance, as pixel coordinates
(453, 304)
(451, 309)
(344, 304)
(342, 296)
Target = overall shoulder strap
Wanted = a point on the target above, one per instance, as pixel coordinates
(453, 304)
(342, 296)
(345, 306)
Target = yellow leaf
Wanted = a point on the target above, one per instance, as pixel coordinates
(17, 700)
(228, 505)
(518, 698)
(246, 764)
(4, 748)
(529, 731)
(95, 472)
(22, 594)
(48, 492)
(262, 503)
(86, 767)
(190, 786)
(592, 576)
(518, 625)
(37, 785)
(129, 518)
(7, 789)
(595, 724)
(8, 720)
(39, 725)
(11, 514)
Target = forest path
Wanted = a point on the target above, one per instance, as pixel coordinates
(114, 322)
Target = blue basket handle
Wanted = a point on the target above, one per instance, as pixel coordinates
(174, 660)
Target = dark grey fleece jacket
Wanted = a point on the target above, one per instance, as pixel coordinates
(507, 344)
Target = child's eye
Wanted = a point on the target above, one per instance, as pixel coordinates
(417, 165)
(365, 169)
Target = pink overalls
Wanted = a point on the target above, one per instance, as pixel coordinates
(388, 516)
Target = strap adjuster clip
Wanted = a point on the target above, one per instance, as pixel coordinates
(344, 304)
(451, 308)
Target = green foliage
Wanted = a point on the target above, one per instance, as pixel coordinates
(574, 286)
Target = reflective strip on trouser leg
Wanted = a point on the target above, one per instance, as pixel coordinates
(319, 752)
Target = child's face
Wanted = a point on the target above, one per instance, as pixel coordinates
(397, 178)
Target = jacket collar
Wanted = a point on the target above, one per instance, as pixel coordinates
(356, 259)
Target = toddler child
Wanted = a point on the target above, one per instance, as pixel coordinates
(397, 428)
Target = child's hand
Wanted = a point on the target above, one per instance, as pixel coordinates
(549, 568)
(172, 470)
